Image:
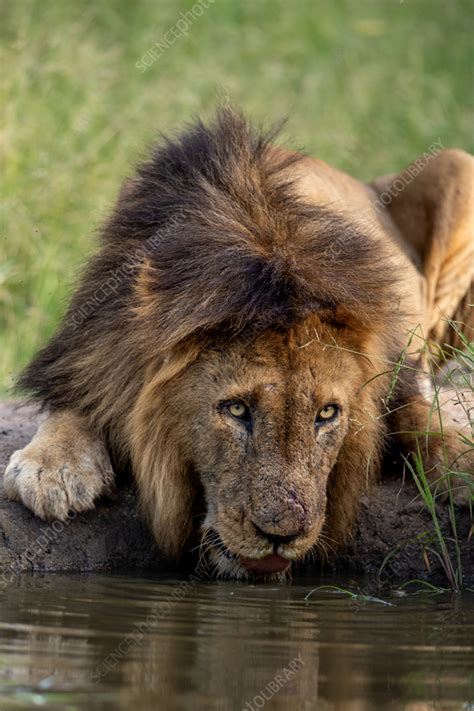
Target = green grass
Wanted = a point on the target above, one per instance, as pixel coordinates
(454, 382)
(367, 85)
(457, 381)
(354, 596)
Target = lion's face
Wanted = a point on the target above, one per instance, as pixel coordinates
(266, 423)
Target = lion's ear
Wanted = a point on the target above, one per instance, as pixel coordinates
(431, 203)
(168, 490)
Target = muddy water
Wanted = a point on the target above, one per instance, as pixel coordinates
(118, 642)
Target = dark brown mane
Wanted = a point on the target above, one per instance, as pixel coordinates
(210, 235)
(239, 246)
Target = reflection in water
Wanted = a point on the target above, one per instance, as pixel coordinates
(115, 642)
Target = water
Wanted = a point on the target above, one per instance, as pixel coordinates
(122, 642)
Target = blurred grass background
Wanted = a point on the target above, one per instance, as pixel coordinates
(367, 85)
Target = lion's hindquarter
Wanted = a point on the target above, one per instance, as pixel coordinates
(425, 217)
(431, 205)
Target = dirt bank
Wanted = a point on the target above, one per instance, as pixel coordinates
(113, 537)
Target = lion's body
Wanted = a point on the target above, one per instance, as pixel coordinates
(232, 267)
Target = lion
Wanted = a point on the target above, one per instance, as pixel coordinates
(247, 342)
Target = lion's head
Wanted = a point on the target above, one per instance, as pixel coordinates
(265, 322)
(267, 440)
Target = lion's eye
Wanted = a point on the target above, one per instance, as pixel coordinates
(238, 409)
(327, 413)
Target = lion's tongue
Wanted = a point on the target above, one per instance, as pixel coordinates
(270, 564)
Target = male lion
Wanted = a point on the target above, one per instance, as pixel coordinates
(245, 341)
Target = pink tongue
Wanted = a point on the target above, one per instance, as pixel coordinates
(270, 564)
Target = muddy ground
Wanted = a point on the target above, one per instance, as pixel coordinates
(113, 536)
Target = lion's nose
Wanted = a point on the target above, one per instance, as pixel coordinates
(276, 539)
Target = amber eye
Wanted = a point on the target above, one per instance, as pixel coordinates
(327, 413)
(238, 409)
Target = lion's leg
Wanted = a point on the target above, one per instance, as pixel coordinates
(449, 336)
(424, 428)
(448, 248)
(65, 467)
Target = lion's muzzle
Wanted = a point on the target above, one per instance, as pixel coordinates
(283, 519)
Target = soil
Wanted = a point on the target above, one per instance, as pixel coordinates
(393, 532)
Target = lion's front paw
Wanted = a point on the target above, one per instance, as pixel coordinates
(450, 468)
(54, 480)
